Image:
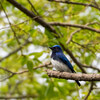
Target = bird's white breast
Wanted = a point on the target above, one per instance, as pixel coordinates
(60, 66)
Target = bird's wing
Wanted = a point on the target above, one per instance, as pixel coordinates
(63, 58)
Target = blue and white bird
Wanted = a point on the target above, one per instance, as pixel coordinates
(60, 62)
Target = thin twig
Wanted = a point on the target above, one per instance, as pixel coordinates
(18, 23)
(32, 15)
(76, 3)
(40, 66)
(10, 24)
(70, 38)
(90, 90)
(13, 52)
(14, 24)
(78, 30)
(33, 7)
(19, 97)
(8, 77)
(74, 25)
(83, 46)
(21, 72)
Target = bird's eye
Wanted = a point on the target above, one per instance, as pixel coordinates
(56, 48)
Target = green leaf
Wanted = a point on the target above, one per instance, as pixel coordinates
(30, 65)
(24, 60)
(37, 54)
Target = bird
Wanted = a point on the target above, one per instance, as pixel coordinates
(60, 61)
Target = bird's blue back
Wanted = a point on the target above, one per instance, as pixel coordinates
(59, 56)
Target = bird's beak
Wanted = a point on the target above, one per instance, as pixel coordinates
(50, 48)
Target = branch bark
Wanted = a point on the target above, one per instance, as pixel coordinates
(74, 25)
(73, 76)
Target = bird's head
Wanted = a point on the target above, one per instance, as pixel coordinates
(56, 48)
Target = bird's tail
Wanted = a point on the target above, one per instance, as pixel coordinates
(78, 83)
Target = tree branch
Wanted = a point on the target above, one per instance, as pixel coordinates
(90, 90)
(19, 97)
(74, 25)
(83, 46)
(18, 49)
(21, 72)
(46, 25)
(33, 7)
(32, 15)
(76, 3)
(40, 66)
(78, 30)
(14, 25)
(93, 67)
(80, 65)
(10, 25)
(73, 76)
(70, 38)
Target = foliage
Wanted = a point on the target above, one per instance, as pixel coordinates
(85, 46)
